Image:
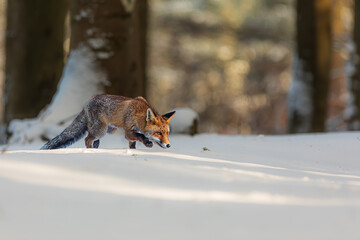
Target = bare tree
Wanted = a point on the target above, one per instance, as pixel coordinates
(34, 55)
(311, 71)
(353, 110)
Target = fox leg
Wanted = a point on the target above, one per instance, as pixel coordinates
(145, 140)
(132, 144)
(95, 132)
(96, 143)
(132, 139)
(89, 141)
(134, 136)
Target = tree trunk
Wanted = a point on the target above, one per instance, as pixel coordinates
(115, 31)
(309, 93)
(353, 111)
(34, 55)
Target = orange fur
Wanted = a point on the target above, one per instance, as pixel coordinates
(104, 111)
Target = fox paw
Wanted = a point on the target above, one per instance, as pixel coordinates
(148, 144)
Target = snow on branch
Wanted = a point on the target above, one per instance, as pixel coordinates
(129, 5)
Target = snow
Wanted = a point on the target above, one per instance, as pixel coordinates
(86, 13)
(97, 43)
(104, 55)
(183, 120)
(128, 5)
(204, 187)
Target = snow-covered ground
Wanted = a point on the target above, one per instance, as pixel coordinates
(203, 187)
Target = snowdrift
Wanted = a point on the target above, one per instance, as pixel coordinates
(203, 187)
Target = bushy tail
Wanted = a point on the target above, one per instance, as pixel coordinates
(71, 134)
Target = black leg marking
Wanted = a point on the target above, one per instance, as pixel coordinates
(96, 143)
(144, 140)
(132, 145)
(148, 143)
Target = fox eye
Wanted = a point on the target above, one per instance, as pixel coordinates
(159, 133)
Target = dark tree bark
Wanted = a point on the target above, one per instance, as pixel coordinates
(354, 81)
(309, 95)
(34, 55)
(115, 30)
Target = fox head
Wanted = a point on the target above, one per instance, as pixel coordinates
(157, 127)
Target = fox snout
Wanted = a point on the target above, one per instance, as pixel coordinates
(166, 145)
(163, 145)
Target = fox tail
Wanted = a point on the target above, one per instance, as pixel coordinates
(71, 134)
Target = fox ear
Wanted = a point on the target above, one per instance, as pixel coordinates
(150, 116)
(168, 115)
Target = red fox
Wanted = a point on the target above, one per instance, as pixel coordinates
(105, 113)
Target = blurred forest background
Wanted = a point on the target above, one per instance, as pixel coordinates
(233, 61)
